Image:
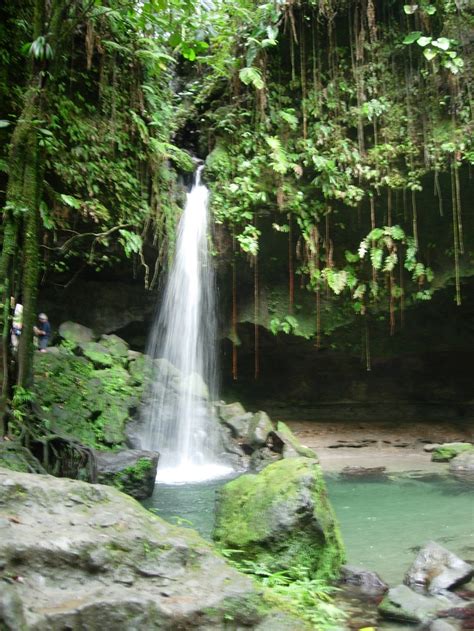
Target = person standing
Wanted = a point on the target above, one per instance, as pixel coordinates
(17, 325)
(42, 332)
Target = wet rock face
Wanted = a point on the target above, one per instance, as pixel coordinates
(132, 471)
(79, 556)
(403, 604)
(436, 569)
(255, 439)
(462, 466)
(281, 518)
(368, 582)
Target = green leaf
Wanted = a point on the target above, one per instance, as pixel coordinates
(252, 76)
(281, 228)
(4, 123)
(351, 257)
(390, 262)
(174, 40)
(360, 291)
(430, 53)
(337, 281)
(131, 242)
(441, 42)
(272, 32)
(410, 8)
(396, 232)
(188, 52)
(412, 37)
(289, 117)
(71, 201)
(424, 41)
(376, 256)
(430, 9)
(375, 234)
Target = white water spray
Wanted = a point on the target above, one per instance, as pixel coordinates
(179, 420)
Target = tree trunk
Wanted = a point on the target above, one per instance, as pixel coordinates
(24, 191)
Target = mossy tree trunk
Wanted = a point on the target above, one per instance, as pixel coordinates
(29, 182)
(21, 215)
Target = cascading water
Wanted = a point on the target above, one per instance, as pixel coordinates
(179, 421)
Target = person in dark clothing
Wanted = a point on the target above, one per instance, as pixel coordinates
(42, 331)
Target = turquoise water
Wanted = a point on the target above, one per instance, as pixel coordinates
(189, 505)
(383, 523)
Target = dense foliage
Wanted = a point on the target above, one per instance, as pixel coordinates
(327, 122)
(349, 125)
(88, 116)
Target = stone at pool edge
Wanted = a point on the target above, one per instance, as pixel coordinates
(90, 557)
(442, 625)
(366, 581)
(289, 445)
(447, 451)
(436, 569)
(131, 471)
(462, 467)
(281, 517)
(404, 605)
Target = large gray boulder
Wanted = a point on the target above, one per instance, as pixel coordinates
(80, 556)
(234, 416)
(403, 604)
(131, 470)
(259, 430)
(462, 466)
(436, 569)
(442, 625)
(366, 581)
(256, 439)
(285, 442)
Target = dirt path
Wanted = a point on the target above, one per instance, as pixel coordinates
(396, 447)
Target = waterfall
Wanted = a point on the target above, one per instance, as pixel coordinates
(178, 416)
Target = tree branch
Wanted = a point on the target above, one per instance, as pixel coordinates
(96, 235)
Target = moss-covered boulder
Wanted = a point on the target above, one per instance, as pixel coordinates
(75, 333)
(281, 517)
(90, 397)
(117, 347)
(131, 471)
(448, 451)
(16, 457)
(97, 354)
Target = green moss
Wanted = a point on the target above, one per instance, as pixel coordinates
(117, 347)
(300, 449)
(132, 474)
(281, 517)
(447, 452)
(80, 401)
(98, 354)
